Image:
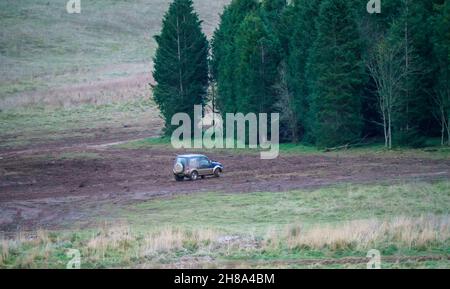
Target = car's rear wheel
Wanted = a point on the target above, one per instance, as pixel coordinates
(217, 172)
(179, 178)
(194, 176)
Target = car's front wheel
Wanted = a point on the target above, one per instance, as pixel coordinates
(194, 176)
(217, 172)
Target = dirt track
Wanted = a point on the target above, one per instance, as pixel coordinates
(38, 190)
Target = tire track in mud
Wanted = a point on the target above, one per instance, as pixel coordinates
(37, 191)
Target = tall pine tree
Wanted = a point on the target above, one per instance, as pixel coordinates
(336, 72)
(224, 55)
(180, 64)
(302, 37)
(259, 53)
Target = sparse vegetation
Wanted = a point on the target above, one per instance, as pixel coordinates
(293, 229)
(24, 126)
(48, 56)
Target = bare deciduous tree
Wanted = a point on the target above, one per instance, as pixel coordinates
(387, 68)
(441, 100)
(286, 103)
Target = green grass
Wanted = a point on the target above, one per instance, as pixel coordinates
(433, 150)
(148, 142)
(259, 211)
(42, 46)
(264, 230)
(23, 126)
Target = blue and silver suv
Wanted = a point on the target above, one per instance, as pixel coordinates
(195, 166)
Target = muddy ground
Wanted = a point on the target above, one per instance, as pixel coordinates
(76, 181)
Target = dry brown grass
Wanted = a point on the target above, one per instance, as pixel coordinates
(170, 239)
(129, 244)
(4, 251)
(119, 239)
(120, 244)
(402, 231)
(95, 93)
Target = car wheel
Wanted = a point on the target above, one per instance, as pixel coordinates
(178, 178)
(194, 176)
(217, 173)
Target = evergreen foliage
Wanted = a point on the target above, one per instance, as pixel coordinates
(317, 63)
(180, 63)
(336, 74)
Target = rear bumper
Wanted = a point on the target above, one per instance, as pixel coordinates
(180, 175)
(183, 174)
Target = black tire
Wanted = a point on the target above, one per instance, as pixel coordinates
(179, 178)
(194, 176)
(217, 173)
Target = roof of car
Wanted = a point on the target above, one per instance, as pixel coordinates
(191, 156)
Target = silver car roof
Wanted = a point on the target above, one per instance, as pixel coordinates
(191, 156)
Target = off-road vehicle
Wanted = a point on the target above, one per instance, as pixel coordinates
(195, 166)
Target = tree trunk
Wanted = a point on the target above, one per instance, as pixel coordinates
(386, 138)
(180, 71)
(442, 129)
(407, 63)
(390, 130)
(447, 124)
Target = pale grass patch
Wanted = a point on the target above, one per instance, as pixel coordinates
(170, 239)
(364, 234)
(4, 252)
(118, 238)
(41, 248)
(166, 240)
(27, 260)
(42, 237)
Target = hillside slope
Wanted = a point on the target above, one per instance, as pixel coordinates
(50, 57)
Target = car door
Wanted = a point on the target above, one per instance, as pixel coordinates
(204, 167)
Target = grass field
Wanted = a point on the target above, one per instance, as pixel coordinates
(43, 48)
(28, 123)
(432, 150)
(79, 141)
(325, 228)
(34, 125)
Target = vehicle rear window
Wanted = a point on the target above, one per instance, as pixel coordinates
(181, 161)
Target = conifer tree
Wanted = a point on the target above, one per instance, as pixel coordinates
(302, 37)
(259, 54)
(336, 72)
(180, 63)
(224, 56)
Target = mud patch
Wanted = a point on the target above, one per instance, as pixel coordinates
(46, 192)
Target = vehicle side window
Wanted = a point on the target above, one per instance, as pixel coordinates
(194, 162)
(204, 162)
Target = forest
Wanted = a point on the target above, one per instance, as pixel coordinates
(337, 74)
